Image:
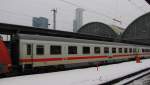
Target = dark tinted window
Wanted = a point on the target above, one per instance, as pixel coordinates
(39, 49)
(130, 50)
(72, 50)
(106, 50)
(120, 50)
(97, 50)
(125, 50)
(29, 49)
(134, 50)
(113, 50)
(145, 50)
(55, 49)
(142, 50)
(86, 50)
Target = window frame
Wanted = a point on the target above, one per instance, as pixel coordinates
(40, 52)
(125, 50)
(29, 50)
(86, 50)
(114, 51)
(73, 48)
(97, 51)
(120, 50)
(134, 50)
(106, 50)
(130, 50)
(53, 49)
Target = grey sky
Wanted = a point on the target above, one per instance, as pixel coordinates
(22, 11)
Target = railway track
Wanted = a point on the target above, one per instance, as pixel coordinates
(145, 80)
(125, 80)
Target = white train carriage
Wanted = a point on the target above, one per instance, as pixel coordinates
(36, 50)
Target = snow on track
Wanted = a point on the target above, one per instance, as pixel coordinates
(132, 78)
(87, 76)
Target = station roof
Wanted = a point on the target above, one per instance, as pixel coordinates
(138, 30)
(11, 29)
(117, 29)
(98, 29)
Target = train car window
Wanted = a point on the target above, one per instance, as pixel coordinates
(148, 50)
(130, 50)
(55, 49)
(106, 50)
(97, 50)
(86, 50)
(113, 50)
(29, 50)
(134, 50)
(143, 50)
(72, 50)
(39, 49)
(120, 50)
(125, 50)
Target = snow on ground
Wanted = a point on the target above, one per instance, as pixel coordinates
(87, 76)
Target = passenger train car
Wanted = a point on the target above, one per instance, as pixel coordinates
(38, 52)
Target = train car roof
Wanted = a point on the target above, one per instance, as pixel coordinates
(60, 39)
(16, 29)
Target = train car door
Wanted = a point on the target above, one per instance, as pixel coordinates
(30, 56)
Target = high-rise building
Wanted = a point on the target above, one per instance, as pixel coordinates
(77, 23)
(74, 26)
(40, 22)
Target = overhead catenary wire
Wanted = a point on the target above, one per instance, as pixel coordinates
(75, 5)
(14, 13)
(26, 19)
(7, 15)
(91, 10)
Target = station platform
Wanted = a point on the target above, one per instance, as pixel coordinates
(86, 76)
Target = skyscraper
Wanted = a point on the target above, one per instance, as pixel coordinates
(40, 22)
(77, 23)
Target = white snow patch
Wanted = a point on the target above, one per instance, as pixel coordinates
(87, 76)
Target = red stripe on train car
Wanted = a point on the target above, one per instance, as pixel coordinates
(59, 59)
(85, 57)
(41, 60)
(121, 55)
(74, 58)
